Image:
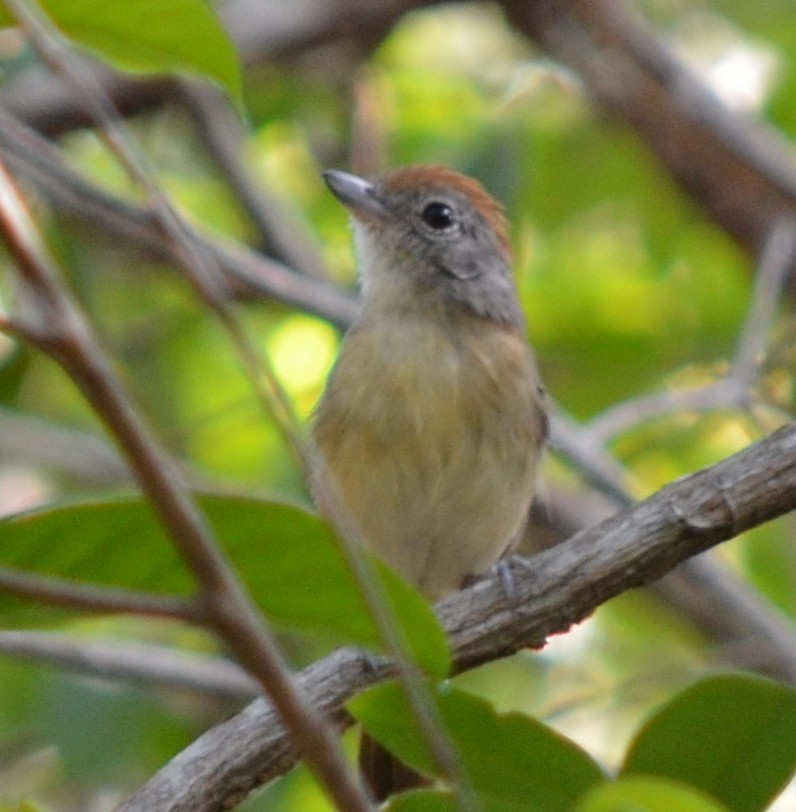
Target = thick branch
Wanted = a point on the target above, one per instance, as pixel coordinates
(741, 172)
(552, 591)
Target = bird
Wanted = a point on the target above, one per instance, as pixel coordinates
(427, 439)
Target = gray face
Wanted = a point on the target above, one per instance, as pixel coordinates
(452, 247)
(440, 229)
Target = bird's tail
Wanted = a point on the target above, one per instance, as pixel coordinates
(383, 773)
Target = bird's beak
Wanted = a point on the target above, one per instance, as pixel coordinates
(355, 193)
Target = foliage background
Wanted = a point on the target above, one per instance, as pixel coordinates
(628, 287)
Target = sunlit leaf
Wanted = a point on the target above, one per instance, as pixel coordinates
(732, 736)
(150, 36)
(445, 801)
(510, 756)
(289, 559)
(647, 795)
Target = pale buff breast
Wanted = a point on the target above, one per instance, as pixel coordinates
(433, 465)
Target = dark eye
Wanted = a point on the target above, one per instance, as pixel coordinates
(438, 216)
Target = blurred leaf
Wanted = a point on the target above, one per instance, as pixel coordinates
(289, 559)
(423, 800)
(430, 800)
(732, 736)
(510, 757)
(14, 366)
(150, 36)
(634, 794)
(25, 806)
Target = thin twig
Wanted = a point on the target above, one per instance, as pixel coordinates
(430, 724)
(62, 331)
(583, 447)
(91, 598)
(777, 262)
(282, 233)
(143, 663)
(725, 393)
(199, 266)
(249, 274)
(722, 605)
(732, 390)
(40, 442)
(262, 32)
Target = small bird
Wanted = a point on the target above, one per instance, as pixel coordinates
(429, 433)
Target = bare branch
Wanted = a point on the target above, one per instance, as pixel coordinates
(585, 449)
(553, 590)
(262, 32)
(726, 609)
(282, 233)
(741, 172)
(726, 393)
(92, 598)
(220, 768)
(752, 631)
(777, 263)
(64, 332)
(201, 270)
(249, 273)
(143, 663)
(76, 452)
(199, 266)
(732, 391)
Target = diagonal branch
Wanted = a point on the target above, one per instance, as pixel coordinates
(262, 32)
(92, 598)
(144, 663)
(52, 319)
(732, 390)
(552, 591)
(741, 172)
(282, 234)
(249, 273)
(199, 267)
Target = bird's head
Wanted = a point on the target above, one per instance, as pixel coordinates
(427, 235)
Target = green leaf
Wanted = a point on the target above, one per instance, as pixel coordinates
(732, 736)
(150, 36)
(645, 794)
(433, 800)
(510, 757)
(289, 559)
(423, 800)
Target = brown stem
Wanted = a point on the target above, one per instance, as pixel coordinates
(51, 314)
(91, 598)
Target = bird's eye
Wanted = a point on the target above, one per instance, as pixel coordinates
(438, 216)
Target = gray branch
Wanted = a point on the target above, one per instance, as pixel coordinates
(144, 663)
(552, 591)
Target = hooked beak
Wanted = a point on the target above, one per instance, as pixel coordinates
(355, 193)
